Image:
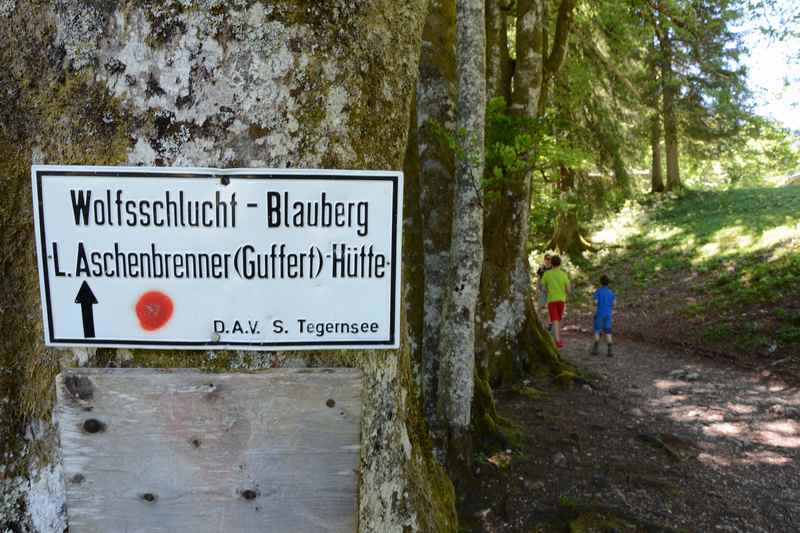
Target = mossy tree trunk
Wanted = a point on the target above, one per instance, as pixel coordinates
(436, 102)
(457, 336)
(291, 84)
(511, 339)
(499, 67)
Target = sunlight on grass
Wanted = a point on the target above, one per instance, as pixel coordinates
(778, 235)
(622, 226)
(735, 253)
(663, 233)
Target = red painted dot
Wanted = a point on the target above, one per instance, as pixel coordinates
(154, 309)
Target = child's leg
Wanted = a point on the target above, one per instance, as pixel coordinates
(598, 328)
(597, 331)
(556, 311)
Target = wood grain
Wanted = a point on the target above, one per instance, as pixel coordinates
(180, 450)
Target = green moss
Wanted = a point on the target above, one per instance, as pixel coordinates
(490, 430)
(68, 118)
(567, 502)
(566, 378)
(530, 393)
(432, 492)
(84, 122)
(217, 361)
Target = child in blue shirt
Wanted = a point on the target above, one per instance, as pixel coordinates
(602, 315)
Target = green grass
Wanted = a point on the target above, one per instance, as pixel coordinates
(735, 254)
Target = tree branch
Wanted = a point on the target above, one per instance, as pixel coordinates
(563, 27)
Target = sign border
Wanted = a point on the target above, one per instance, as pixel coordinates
(38, 172)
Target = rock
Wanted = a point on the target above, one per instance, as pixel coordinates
(559, 459)
(534, 485)
(637, 412)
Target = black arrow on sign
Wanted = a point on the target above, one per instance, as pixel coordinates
(86, 298)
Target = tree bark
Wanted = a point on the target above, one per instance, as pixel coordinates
(528, 71)
(510, 336)
(498, 60)
(669, 92)
(436, 103)
(457, 344)
(567, 237)
(656, 170)
(558, 52)
(414, 251)
(190, 87)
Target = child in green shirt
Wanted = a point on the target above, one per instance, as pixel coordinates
(556, 282)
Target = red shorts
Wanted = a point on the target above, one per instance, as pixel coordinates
(556, 311)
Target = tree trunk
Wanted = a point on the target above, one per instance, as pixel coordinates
(669, 91)
(498, 60)
(436, 103)
(510, 336)
(529, 67)
(656, 171)
(558, 52)
(457, 343)
(567, 236)
(244, 87)
(413, 250)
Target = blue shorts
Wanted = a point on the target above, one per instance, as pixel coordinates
(602, 323)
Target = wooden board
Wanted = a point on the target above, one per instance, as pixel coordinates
(181, 450)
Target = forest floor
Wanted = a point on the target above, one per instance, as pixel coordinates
(694, 425)
(652, 440)
(714, 271)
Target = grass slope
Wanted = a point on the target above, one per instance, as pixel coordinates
(718, 269)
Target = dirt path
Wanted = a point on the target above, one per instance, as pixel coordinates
(655, 441)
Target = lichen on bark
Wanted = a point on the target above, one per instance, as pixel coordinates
(436, 100)
(457, 334)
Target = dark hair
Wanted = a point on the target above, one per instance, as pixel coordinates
(555, 261)
(604, 280)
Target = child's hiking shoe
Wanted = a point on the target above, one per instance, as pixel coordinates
(610, 351)
(559, 344)
(595, 350)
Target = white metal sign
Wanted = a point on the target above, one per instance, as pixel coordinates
(198, 258)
